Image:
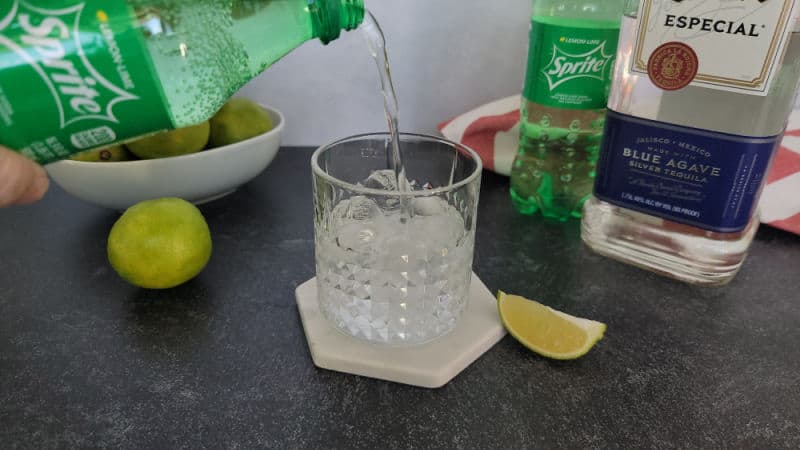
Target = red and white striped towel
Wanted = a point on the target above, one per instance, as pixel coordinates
(492, 130)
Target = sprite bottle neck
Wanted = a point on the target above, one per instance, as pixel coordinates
(330, 17)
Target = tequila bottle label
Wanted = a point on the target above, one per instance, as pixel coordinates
(696, 177)
(736, 45)
(686, 171)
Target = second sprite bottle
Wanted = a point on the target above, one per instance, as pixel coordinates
(570, 61)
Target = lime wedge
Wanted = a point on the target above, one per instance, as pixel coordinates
(546, 331)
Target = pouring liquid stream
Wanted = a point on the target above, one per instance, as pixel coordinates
(376, 43)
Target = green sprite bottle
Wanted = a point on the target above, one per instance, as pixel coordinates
(570, 63)
(76, 75)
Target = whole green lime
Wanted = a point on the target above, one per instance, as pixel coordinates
(159, 244)
(239, 119)
(180, 141)
(113, 153)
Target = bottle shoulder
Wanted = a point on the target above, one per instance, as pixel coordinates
(583, 10)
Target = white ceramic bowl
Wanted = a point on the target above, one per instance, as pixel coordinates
(197, 177)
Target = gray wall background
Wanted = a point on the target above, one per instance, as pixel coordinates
(447, 56)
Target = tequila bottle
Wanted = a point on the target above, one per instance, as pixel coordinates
(690, 134)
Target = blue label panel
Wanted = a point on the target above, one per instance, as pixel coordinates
(696, 177)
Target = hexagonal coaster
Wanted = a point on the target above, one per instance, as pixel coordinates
(428, 365)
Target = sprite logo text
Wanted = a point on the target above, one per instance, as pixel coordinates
(564, 66)
(74, 75)
(570, 67)
(50, 42)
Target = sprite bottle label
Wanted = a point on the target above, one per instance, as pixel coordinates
(75, 75)
(569, 65)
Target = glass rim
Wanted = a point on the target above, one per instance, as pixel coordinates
(317, 170)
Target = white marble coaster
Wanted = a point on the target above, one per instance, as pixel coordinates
(428, 365)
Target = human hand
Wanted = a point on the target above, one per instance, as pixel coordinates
(22, 181)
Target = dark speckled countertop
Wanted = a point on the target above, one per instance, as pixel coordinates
(87, 360)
